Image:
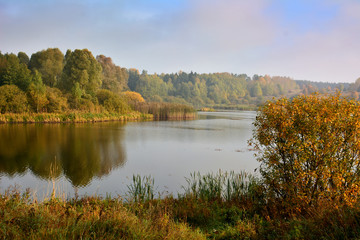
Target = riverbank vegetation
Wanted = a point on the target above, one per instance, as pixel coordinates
(77, 87)
(308, 188)
(53, 82)
(309, 150)
(166, 111)
(213, 206)
(71, 117)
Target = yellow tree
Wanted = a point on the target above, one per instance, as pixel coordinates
(133, 97)
(309, 150)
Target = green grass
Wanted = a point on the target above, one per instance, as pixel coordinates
(227, 186)
(141, 189)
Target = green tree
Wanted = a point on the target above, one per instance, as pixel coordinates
(14, 72)
(12, 99)
(37, 93)
(112, 102)
(49, 63)
(134, 77)
(151, 85)
(81, 72)
(23, 57)
(257, 91)
(309, 150)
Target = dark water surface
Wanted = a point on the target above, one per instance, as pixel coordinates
(100, 158)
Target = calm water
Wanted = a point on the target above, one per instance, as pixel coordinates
(101, 158)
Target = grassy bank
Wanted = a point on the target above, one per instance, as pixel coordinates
(143, 111)
(213, 206)
(85, 218)
(73, 117)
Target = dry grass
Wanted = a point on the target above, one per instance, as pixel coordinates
(87, 218)
(74, 117)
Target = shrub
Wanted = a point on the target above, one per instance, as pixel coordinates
(112, 102)
(12, 99)
(309, 150)
(56, 101)
(133, 97)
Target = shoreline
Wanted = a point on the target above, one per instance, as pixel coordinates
(72, 117)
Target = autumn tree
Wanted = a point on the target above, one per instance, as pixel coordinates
(49, 63)
(56, 102)
(12, 99)
(133, 96)
(114, 78)
(309, 150)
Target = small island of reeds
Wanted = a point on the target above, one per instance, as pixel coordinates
(166, 111)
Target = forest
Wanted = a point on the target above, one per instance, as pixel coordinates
(50, 82)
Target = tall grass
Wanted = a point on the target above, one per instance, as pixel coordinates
(243, 107)
(141, 189)
(86, 218)
(73, 117)
(212, 207)
(166, 111)
(224, 186)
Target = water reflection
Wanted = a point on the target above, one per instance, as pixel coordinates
(167, 150)
(81, 152)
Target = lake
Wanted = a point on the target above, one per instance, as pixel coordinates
(101, 158)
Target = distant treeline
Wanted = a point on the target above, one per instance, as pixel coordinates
(50, 81)
(222, 90)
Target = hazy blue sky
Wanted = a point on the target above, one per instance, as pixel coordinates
(316, 40)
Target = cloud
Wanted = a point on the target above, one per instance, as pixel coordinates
(323, 55)
(301, 39)
(207, 33)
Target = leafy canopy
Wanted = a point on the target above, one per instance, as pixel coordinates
(49, 63)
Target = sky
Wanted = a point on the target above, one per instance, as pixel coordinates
(316, 40)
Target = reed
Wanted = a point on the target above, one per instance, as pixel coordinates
(166, 111)
(141, 189)
(222, 186)
(242, 107)
(71, 117)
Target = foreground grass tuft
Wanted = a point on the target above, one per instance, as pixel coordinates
(213, 206)
(86, 218)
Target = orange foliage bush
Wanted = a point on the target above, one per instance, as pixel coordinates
(133, 96)
(309, 150)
